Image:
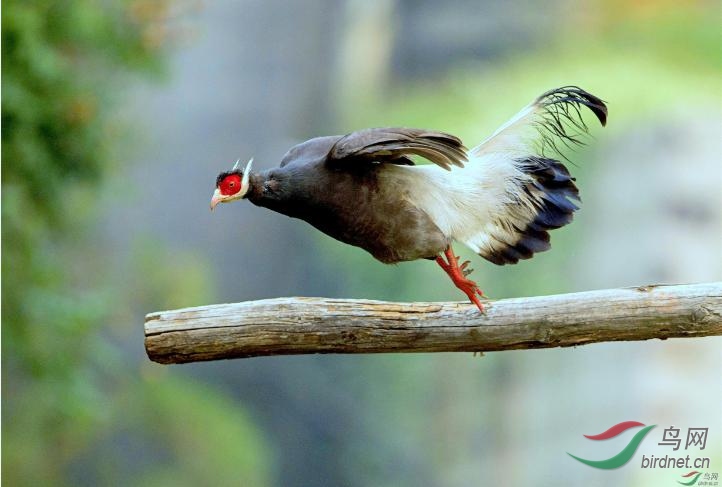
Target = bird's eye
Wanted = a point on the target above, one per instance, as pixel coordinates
(231, 185)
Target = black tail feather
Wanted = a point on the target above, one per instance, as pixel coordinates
(562, 119)
(554, 194)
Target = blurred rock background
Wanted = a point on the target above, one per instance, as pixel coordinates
(116, 118)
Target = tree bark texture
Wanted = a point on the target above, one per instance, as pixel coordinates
(287, 326)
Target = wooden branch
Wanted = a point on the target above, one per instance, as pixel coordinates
(287, 326)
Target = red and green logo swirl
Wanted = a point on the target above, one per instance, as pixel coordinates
(695, 477)
(627, 452)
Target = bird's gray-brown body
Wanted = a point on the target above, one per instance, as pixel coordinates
(501, 199)
(349, 204)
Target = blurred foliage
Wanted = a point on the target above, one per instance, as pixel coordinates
(204, 438)
(65, 383)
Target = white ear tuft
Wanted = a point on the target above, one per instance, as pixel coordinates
(235, 166)
(246, 175)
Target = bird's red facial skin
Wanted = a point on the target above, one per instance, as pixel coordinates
(230, 185)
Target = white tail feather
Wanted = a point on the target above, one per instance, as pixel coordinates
(508, 195)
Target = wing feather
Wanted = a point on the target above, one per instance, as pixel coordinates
(394, 145)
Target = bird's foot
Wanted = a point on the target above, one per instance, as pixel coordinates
(471, 289)
(458, 274)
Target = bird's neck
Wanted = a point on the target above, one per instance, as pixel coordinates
(255, 187)
(267, 189)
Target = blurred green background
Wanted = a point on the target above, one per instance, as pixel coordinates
(116, 118)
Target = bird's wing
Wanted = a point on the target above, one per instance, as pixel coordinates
(394, 145)
(310, 150)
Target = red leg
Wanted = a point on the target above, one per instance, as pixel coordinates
(458, 274)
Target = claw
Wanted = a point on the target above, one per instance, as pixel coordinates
(471, 290)
(458, 274)
(464, 270)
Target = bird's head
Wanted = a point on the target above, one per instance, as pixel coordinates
(231, 185)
